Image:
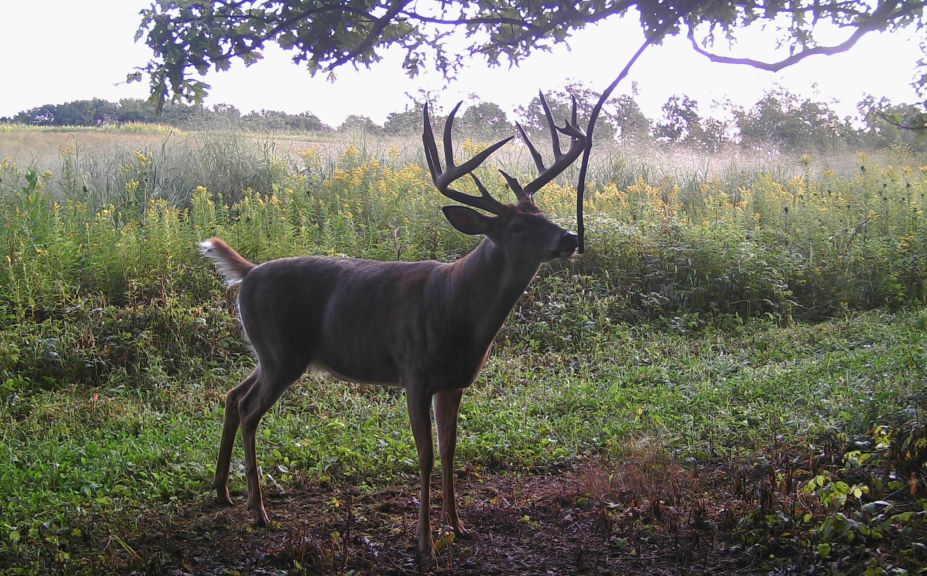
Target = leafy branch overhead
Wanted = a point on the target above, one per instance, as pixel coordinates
(191, 37)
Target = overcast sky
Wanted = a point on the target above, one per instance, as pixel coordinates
(60, 50)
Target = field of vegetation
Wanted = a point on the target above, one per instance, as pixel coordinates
(730, 379)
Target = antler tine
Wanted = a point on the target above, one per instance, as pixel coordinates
(443, 178)
(538, 160)
(431, 148)
(484, 194)
(554, 138)
(513, 184)
(448, 145)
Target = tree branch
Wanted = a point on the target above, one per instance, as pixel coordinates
(272, 32)
(534, 30)
(916, 124)
(879, 17)
(379, 25)
(476, 20)
(653, 38)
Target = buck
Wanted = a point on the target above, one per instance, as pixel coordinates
(426, 326)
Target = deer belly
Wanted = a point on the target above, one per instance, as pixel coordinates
(362, 373)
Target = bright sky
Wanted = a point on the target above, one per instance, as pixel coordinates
(60, 50)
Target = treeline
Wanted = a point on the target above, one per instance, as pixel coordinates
(98, 112)
(780, 119)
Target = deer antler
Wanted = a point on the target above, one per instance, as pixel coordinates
(561, 159)
(444, 178)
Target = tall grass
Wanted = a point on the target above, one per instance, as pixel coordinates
(728, 241)
(109, 234)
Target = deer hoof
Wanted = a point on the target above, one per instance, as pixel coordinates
(260, 518)
(459, 530)
(457, 526)
(223, 497)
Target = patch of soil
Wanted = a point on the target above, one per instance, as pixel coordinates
(556, 522)
(650, 515)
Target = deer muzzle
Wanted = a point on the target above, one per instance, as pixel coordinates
(567, 245)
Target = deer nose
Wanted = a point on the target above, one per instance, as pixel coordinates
(568, 243)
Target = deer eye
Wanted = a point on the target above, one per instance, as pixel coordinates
(517, 228)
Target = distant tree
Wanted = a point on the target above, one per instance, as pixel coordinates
(97, 111)
(409, 121)
(681, 121)
(184, 115)
(629, 120)
(306, 122)
(226, 114)
(356, 123)
(713, 135)
(887, 124)
(39, 116)
(768, 122)
(486, 120)
(276, 120)
(790, 122)
(74, 113)
(135, 110)
(86, 113)
(822, 126)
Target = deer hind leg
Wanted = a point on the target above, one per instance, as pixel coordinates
(420, 417)
(447, 406)
(252, 406)
(229, 428)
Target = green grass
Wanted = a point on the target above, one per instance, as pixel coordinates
(79, 462)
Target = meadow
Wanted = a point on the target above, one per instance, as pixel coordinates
(757, 317)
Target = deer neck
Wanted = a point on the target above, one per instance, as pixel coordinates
(489, 283)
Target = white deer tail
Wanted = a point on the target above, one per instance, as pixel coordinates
(230, 264)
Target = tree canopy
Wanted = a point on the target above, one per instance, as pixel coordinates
(192, 37)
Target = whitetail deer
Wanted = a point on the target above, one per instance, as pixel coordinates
(426, 326)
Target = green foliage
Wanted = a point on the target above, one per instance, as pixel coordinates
(788, 122)
(681, 120)
(199, 35)
(97, 112)
(887, 124)
(808, 246)
(858, 493)
(117, 341)
(83, 461)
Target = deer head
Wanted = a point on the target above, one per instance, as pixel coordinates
(520, 230)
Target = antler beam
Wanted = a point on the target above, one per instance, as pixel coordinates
(561, 159)
(444, 177)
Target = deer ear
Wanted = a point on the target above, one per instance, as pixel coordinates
(467, 220)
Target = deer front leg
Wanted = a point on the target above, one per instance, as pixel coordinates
(447, 406)
(229, 428)
(420, 417)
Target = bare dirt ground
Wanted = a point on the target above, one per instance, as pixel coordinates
(650, 515)
(556, 522)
